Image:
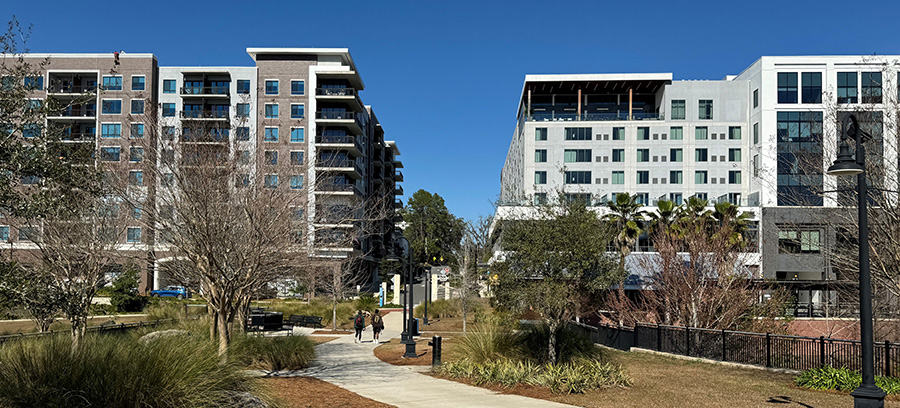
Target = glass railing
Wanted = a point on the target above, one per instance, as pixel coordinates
(73, 89)
(75, 137)
(337, 139)
(337, 163)
(340, 115)
(398, 175)
(343, 187)
(594, 116)
(205, 114)
(336, 91)
(78, 113)
(204, 90)
(398, 190)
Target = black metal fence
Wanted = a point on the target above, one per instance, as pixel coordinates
(763, 349)
(102, 328)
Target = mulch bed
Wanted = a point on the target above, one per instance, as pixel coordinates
(308, 392)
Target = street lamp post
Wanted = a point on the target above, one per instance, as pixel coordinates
(400, 242)
(867, 395)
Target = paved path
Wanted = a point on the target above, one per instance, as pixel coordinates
(354, 367)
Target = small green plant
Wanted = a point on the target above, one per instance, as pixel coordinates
(842, 379)
(367, 302)
(574, 377)
(124, 294)
(570, 345)
(273, 353)
(490, 340)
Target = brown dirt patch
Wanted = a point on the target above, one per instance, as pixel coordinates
(322, 339)
(392, 352)
(307, 392)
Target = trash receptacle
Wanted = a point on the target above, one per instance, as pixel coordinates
(415, 329)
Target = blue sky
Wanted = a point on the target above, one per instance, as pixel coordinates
(444, 77)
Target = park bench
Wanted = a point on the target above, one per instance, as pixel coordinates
(302, 321)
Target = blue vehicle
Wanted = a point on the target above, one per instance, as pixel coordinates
(178, 292)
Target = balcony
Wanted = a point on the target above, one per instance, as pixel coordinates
(205, 91)
(346, 142)
(78, 137)
(398, 204)
(349, 119)
(398, 190)
(338, 165)
(75, 112)
(340, 94)
(594, 116)
(338, 188)
(70, 89)
(204, 114)
(398, 175)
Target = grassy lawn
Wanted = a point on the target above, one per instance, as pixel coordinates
(13, 327)
(307, 392)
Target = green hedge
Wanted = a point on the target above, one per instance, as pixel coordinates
(842, 379)
(575, 377)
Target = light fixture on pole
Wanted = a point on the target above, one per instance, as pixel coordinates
(402, 244)
(867, 395)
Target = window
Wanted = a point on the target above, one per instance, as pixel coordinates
(168, 86)
(643, 177)
(271, 134)
(787, 87)
(298, 111)
(676, 198)
(871, 87)
(111, 106)
(584, 198)
(799, 142)
(540, 177)
(618, 177)
(30, 180)
(298, 87)
(34, 83)
(700, 177)
(137, 130)
(297, 135)
(110, 154)
(133, 235)
(678, 109)
(643, 155)
(112, 83)
(296, 182)
(243, 86)
(618, 133)
(676, 133)
(756, 133)
(756, 98)
(577, 156)
(701, 133)
(578, 133)
(540, 134)
(734, 133)
(755, 165)
(243, 157)
(812, 87)
(270, 180)
(846, 87)
(540, 156)
(4, 234)
(539, 199)
(168, 110)
(243, 110)
(29, 234)
(734, 177)
(706, 109)
(296, 158)
(110, 130)
(271, 157)
(734, 155)
(136, 154)
(643, 133)
(168, 156)
(676, 177)
(798, 242)
(272, 87)
(676, 155)
(168, 132)
(271, 111)
(136, 178)
(31, 130)
(137, 83)
(137, 106)
(701, 155)
(242, 133)
(618, 155)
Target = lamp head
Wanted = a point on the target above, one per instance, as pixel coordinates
(845, 164)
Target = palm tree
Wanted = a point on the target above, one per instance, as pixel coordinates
(664, 217)
(727, 214)
(628, 219)
(692, 217)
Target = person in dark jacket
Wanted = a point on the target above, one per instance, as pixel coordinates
(359, 323)
(377, 326)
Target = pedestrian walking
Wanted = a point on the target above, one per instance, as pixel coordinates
(359, 323)
(377, 326)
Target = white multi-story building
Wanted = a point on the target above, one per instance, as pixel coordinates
(752, 139)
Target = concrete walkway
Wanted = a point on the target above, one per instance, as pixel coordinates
(354, 367)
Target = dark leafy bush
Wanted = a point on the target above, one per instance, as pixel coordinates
(124, 294)
(117, 371)
(842, 379)
(367, 302)
(273, 353)
(570, 344)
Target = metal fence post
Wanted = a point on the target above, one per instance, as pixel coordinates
(887, 358)
(822, 351)
(687, 334)
(658, 338)
(723, 344)
(768, 349)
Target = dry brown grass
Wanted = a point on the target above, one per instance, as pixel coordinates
(307, 392)
(13, 327)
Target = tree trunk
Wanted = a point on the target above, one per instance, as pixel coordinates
(213, 322)
(78, 330)
(224, 335)
(334, 313)
(551, 354)
(465, 311)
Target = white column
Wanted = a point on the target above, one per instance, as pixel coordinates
(396, 281)
(434, 287)
(447, 290)
(383, 292)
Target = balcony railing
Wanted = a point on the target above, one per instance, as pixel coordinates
(339, 164)
(77, 137)
(336, 91)
(398, 191)
(398, 175)
(398, 203)
(205, 114)
(346, 139)
(340, 187)
(594, 116)
(77, 113)
(340, 116)
(71, 89)
(205, 90)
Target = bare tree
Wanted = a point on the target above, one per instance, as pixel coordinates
(474, 249)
